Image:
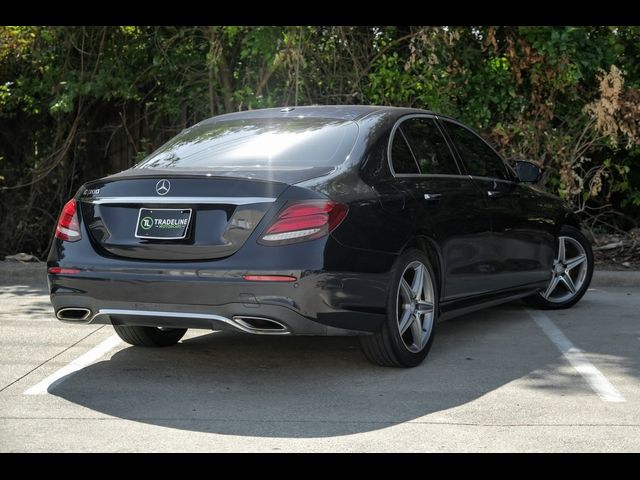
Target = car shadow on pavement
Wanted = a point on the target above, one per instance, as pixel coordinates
(305, 387)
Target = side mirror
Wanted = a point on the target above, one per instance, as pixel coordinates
(527, 172)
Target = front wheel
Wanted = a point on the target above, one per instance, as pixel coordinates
(149, 336)
(412, 305)
(570, 274)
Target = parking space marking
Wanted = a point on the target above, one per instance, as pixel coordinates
(79, 363)
(594, 377)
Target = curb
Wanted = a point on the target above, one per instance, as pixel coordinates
(12, 273)
(615, 278)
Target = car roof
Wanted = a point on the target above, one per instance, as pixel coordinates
(340, 112)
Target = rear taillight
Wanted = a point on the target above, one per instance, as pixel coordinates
(305, 220)
(68, 228)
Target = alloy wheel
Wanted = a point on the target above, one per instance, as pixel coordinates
(569, 271)
(415, 306)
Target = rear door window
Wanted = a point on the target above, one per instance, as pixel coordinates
(401, 155)
(430, 149)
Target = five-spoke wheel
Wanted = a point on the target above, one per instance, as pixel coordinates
(415, 306)
(569, 270)
(412, 308)
(570, 274)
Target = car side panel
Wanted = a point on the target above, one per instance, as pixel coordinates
(447, 209)
(522, 233)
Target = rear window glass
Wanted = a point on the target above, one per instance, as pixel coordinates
(258, 143)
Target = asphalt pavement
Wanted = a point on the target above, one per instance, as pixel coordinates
(502, 379)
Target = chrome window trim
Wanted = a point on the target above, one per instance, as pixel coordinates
(435, 118)
(178, 200)
(432, 175)
(492, 179)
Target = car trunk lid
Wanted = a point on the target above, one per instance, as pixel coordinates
(177, 217)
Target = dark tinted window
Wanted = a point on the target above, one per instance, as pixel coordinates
(258, 144)
(429, 147)
(401, 156)
(480, 159)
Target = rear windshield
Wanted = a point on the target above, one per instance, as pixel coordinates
(258, 143)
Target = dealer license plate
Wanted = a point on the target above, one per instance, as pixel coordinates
(163, 223)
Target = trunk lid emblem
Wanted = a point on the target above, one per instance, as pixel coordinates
(163, 187)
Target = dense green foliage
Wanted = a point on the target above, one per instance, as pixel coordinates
(77, 103)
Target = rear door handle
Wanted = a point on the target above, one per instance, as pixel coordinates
(432, 196)
(494, 193)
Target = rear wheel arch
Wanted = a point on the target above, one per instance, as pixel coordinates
(430, 249)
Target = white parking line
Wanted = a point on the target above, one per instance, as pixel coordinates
(79, 363)
(594, 377)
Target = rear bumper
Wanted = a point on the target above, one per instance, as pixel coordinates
(319, 303)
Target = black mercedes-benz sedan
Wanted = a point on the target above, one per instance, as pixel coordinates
(323, 220)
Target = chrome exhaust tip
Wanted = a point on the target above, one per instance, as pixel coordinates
(260, 325)
(73, 314)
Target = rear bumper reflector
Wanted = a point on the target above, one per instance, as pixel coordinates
(63, 271)
(269, 278)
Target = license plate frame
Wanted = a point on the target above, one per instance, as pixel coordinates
(152, 213)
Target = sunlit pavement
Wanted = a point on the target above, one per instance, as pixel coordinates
(494, 381)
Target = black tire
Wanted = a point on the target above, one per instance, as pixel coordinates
(538, 301)
(386, 347)
(149, 336)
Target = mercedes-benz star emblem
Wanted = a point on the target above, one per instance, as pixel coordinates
(163, 187)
